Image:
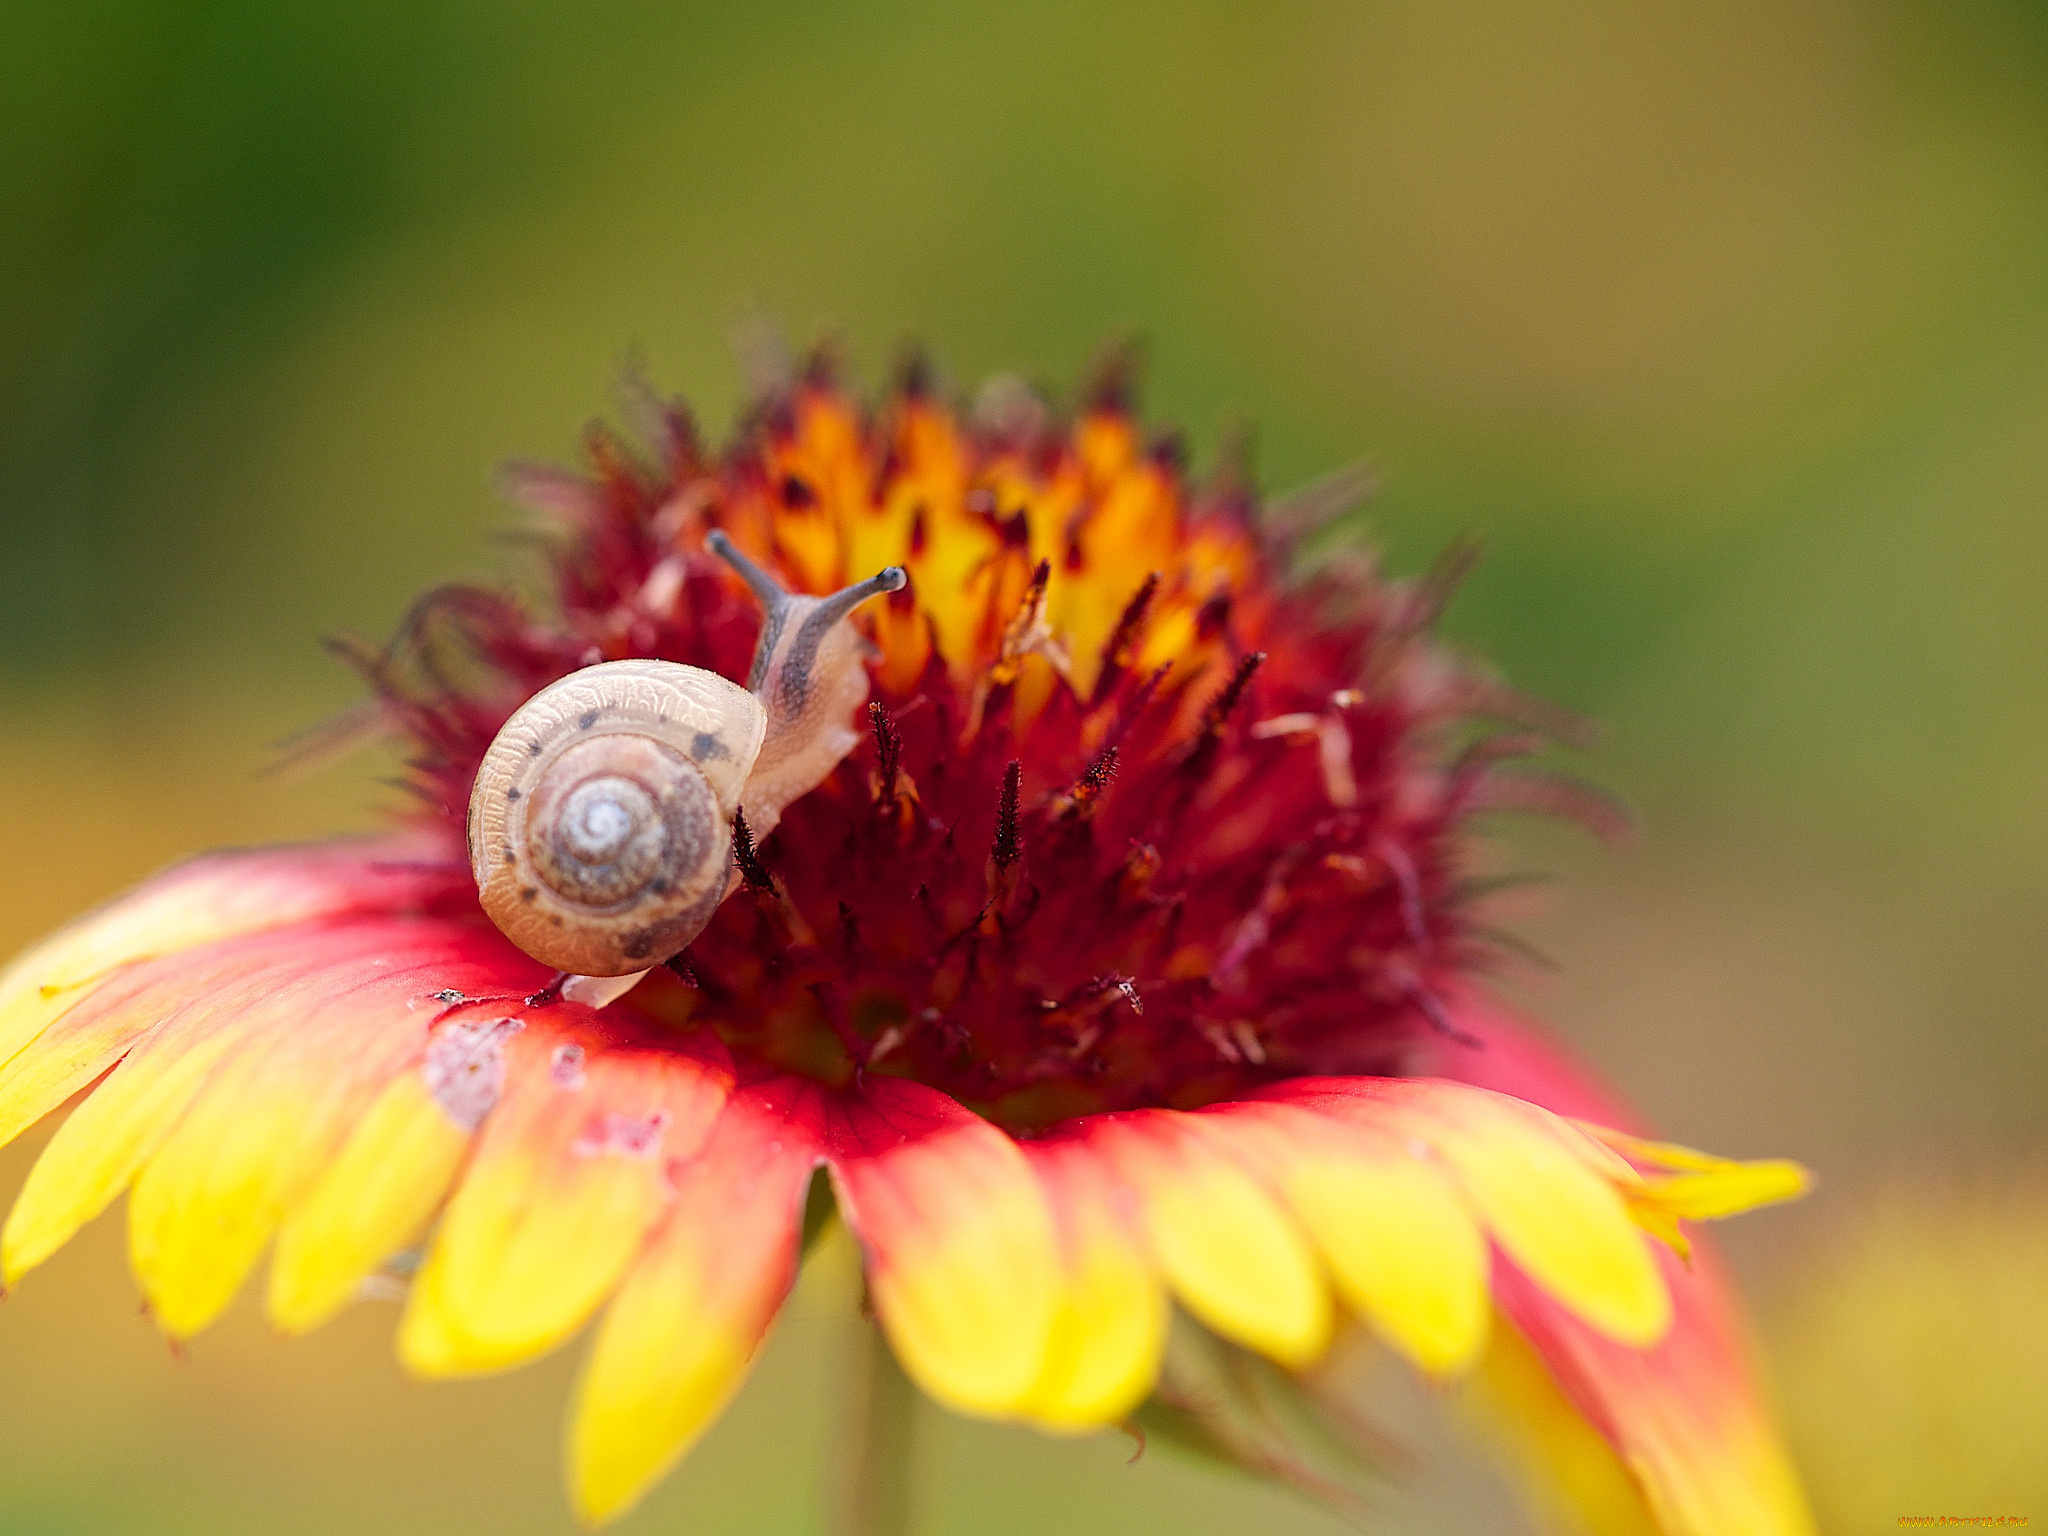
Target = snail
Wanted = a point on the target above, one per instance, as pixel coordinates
(600, 824)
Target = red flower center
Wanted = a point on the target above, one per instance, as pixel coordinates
(1137, 817)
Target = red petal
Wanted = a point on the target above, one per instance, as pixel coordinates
(963, 1263)
(684, 1327)
(569, 1174)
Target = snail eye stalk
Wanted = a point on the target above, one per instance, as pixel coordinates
(810, 674)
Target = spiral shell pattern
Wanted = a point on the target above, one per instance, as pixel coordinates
(600, 826)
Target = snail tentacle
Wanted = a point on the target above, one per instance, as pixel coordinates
(766, 587)
(810, 675)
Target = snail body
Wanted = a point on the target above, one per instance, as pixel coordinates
(600, 822)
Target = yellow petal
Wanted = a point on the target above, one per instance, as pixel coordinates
(1544, 1190)
(1407, 1255)
(1728, 1190)
(374, 1198)
(1705, 1187)
(569, 1174)
(127, 1009)
(1551, 1212)
(188, 1012)
(264, 1128)
(1110, 1327)
(963, 1265)
(1662, 1154)
(208, 899)
(1661, 1225)
(107, 1139)
(427, 1339)
(1228, 1249)
(678, 1338)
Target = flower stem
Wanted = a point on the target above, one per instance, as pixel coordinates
(875, 1495)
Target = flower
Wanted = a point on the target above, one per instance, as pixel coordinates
(1125, 955)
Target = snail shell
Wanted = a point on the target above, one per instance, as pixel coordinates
(600, 825)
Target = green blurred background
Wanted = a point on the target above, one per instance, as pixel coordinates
(1723, 323)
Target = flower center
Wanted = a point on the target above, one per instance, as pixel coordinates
(1135, 817)
(1147, 902)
